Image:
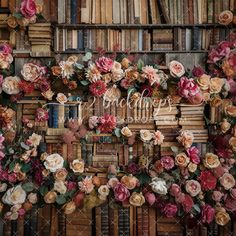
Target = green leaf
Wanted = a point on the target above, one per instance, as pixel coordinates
(26, 168)
(197, 208)
(140, 64)
(12, 166)
(43, 190)
(17, 15)
(84, 82)
(87, 56)
(23, 145)
(28, 187)
(78, 66)
(117, 132)
(61, 199)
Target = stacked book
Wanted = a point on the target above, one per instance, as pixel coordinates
(162, 39)
(192, 119)
(4, 33)
(40, 38)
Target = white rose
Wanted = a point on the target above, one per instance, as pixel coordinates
(54, 162)
(10, 85)
(32, 197)
(176, 69)
(103, 190)
(35, 139)
(61, 98)
(30, 72)
(3, 187)
(159, 186)
(145, 135)
(126, 132)
(15, 195)
(60, 187)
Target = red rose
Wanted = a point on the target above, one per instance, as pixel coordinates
(28, 8)
(187, 203)
(121, 192)
(207, 214)
(170, 210)
(207, 180)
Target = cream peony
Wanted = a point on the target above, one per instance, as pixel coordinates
(159, 186)
(60, 186)
(77, 166)
(61, 98)
(35, 139)
(15, 195)
(30, 72)
(145, 135)
(125, 131)
(103, 191)
(137, 199)
(10, 85)
(54, 162)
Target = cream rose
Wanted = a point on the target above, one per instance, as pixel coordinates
(60, 187)
(3, 187)
(225, 126)
(192, 167)
(182, 160)
(15, 195)
(77, 166)
(50, 197)
(193, 187)
(176, 69)
(103, 191)
(186, 138)
(112, 182)
(69, 207)
(54, 162)
(145, 135)
(61, 98)
(204, 81)
(32, 197)
(222, 218)
(61, 174)
(227, 181)
(159, 186)
(232, 143)
(211, 161)
(35, 139)
(30, 72)
(48, 94)
(10, 85)
(230, 110)
(216, 85)
(126, 132)
(226, 17)
(137, 199)
(129, 181)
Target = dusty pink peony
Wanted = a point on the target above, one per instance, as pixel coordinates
(207, 214)
(150, 198)
(98, 88)
(187, 203)
(41, 114)
(170, 210)
(193, 154)
(28, 8)
(198, 71)
(104, 64)
(175, 190)
(126, 83)
(187, 88)
(121, 192)
(158, 138)
(167, 162)
(5, 49)
(151, 75)
(217, 195)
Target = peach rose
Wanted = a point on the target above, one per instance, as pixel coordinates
(137, 199)
(211, 161)
(126, 132)
(12, 22)
(182, 160)
(204, 82)
(230, 110)
(10, 85)
(129, 181)
(61, 98)
(226, 17)
(125, 62)
(50, 197)
(176, 69)
(30, 72)
(145, 135)
(216, 101)
(186, 138)
(77, 166)
(56, 70)
(232, 143)
(225, 126)
(61, 174)
(227, 181)
(222, 218)
(216, 85)
(48, 94)
(69, 207)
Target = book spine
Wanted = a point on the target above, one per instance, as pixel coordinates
(73, 11)
(104, 220)
(55, 116)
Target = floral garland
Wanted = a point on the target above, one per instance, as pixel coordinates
(185, 184)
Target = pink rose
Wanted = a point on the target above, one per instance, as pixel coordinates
(193, 187)
(167, 162)
(150, 198)
(187, 88)
(5, 49)
(198, 71)
(233, 193)
(12, 178)
(121, 192)
(219, 171)
(126, 83)
(193, 154)
(104, 64)
(187, 203)
(217, 195)
(28, 8)
(207, 214)
(197, 99)
(41, 114)
(170, 210)
(175, 190)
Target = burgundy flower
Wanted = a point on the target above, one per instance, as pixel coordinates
(197, 71)
(207, 180)
(5, 49)
(193, 154)
(121, 192)
(133, 168)
(170, 210)
(26, 87)
(207, 214)
(146, 90)
(107, 123)
(187, 203)
(98, 88)
(167, 162)
(41, 114)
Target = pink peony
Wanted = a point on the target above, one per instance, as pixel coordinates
(107, 123)
(187, 203)
(217, 195)
(167, 162)
(187, 88)
(193, 154)
(207, 214)
(5, 49)
(150, 198)
(150, 73)
(28, 8)
(198, 71)
(207, 180)
(93, 122)
(158, 138)
(41, 114)
(170, 210)
(98, 88)
(121, 192)
(104, 64)
(126, 83)
(175, 190)
(197, 99)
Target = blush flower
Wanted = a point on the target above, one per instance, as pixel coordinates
(104, 64)
(121, 192)
(151, 75)
(187, 88)
(86, 185)
(176, 69)
(28, 8)
(186, 138)
(207, 214)
(41, 114)
(158, 138)
(98, 88)
(167, 162)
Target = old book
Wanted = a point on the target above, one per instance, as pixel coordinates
(98, 220)
(137, 7)
(144, 12)
(86, 11)
(145, 221)
(152, 221)
(210, 11)
(61, 11)
(116, 11)
(108, 11)
(164, 11)
(105, 220)
(53, 10)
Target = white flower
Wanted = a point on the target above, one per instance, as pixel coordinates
(30, 72)
(126, 132)
(159, 186)
(117, 72)
(67, 69)
(176, 69)
(92, 73)
(10, 85)
(145, 135)
(60, 187)
(103, 192)
(77, 166)
(15, 195)
(32, 197)
(54, 162)
(35, 139)
(61, 98)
